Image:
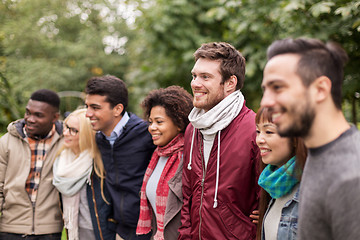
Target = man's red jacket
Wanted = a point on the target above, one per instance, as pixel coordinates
(238, 191)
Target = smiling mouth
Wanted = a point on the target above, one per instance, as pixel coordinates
(31, 127)
(93, 121)
(199, 94)
(275, 116)
(155, 136)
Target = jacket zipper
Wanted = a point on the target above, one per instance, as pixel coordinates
(202, 187)
(95, 208)
(115, 163)
(34, 203)
(33, 219)
(116, 181)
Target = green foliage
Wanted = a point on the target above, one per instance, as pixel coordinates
(168, 32)
(9, 109)
(59, 44)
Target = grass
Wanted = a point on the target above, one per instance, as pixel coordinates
(63, 235)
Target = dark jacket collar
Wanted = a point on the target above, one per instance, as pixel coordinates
(133, 122)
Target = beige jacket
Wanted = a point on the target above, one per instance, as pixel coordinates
(18, 215)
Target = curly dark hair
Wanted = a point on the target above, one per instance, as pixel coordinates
(176, 101)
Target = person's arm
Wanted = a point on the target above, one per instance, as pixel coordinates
(3, 166)
(343, 207)
(185, 228)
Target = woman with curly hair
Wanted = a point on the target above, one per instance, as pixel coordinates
(167, 110)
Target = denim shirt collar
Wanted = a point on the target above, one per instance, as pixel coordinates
(118, 129)
(294, 199)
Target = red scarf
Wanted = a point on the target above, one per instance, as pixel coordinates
(174, 151)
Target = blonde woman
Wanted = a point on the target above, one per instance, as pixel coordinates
(86, 207)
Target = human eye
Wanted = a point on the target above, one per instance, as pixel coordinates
(277, 87)
(257, 131)
(271, 129)
(205, 77)
(193, 76)
(73, 130)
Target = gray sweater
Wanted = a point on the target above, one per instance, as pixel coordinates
(330, 190)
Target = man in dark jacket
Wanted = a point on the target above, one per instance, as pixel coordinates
(126, 148)
(220, 157)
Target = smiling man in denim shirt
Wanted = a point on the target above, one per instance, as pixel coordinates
(126, 148)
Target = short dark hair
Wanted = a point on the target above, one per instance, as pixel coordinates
(231, 60)
(47, 96)
(176, 101)
(316, 59)
(110, 86)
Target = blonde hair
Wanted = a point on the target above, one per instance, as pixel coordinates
(87, 142)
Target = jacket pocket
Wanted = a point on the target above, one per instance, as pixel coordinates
(236, 222)
(288, 227)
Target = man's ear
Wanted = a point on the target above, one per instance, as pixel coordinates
(118, 110)
(322, 88)
(56, 116)
(230, 84)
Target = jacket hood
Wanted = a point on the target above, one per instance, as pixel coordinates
(16, 128)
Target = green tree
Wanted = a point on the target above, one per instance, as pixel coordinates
(59, 44)
(169, 32)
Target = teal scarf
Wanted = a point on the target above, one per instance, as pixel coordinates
(279, 181)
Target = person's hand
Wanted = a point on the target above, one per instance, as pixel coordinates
(255, 216)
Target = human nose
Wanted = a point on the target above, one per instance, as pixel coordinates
(30, 118)
(89, 112)
(66, 131)
(195, 82)
(267, 100)
(152, 127)
(260, 139)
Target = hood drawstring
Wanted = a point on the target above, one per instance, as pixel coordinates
(217, 165)
(217, 172)
(191, 149)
